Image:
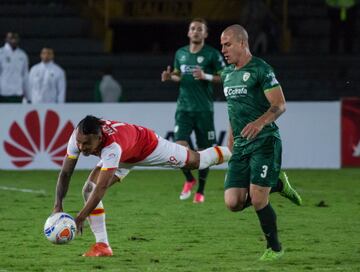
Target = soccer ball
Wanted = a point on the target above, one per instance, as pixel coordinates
(60, 228)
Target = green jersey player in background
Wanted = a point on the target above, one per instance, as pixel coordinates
(196, 67)
(255, 100)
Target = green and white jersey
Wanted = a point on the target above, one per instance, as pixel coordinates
(245, 90)
(196, 95)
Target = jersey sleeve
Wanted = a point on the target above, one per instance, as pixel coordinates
(268, 79)
(218, 62)
(110, 156)
(72, 151)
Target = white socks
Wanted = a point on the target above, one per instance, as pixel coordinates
(214, 155)
(96, 218)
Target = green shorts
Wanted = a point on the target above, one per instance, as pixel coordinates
(258, 162)
(202, 122)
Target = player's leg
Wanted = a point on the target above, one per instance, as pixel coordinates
(265, 164)
(286, 190)
(183, 129)
(237, 181)
(213, 156)
(199, 196)
(205, 137)
(97, 219)
(235, 198)
(267, 218)
(169, 154)
(190, 180)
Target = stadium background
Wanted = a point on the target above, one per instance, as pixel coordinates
(138, 39)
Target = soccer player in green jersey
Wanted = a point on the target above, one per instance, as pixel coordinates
(255, 100)
(196, 66)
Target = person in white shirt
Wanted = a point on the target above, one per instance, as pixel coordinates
(47, 81)
(108, 90)
(14, 68)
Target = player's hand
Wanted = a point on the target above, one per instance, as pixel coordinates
(251, 130)
(166, 74)
(79, 221)
(198, 73)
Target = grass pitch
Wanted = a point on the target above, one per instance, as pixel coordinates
(150, 229)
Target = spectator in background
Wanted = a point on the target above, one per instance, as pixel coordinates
(47, 81)
(108, 90)
(14, 68)
(342, 14)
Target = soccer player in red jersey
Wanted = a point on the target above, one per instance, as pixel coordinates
(120, 146)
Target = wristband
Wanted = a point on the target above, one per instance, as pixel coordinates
(208, 77)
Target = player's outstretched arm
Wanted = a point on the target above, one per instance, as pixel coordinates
(63, 182)
(104, 181)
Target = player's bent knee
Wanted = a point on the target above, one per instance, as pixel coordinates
(234, 206)
(259, 203)
(193, 161)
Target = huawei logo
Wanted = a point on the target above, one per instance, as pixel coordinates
(38, 142)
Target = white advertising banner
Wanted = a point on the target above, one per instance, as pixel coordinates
(310, 133)
(35, 136)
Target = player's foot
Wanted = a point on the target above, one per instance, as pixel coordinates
(271, 255)
(186, 191)
(223, 154)
(99, 250)
(199, 198)
(288, 191)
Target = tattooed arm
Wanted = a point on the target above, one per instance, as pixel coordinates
(277, 106)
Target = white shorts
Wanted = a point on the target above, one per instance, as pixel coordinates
(166, 154)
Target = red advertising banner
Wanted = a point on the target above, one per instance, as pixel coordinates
(350, 132)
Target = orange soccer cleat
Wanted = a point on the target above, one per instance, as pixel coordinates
(99, 250)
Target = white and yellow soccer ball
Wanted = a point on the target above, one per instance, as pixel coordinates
(60, 228)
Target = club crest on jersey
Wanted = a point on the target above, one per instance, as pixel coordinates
(200, 59)
(246, 76)
(183, 58)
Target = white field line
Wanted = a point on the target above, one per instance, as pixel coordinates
(22, 190)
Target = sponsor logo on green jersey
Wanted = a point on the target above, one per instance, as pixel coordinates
(234, 91)
(187, 69)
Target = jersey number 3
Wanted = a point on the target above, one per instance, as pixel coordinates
(264, 171)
